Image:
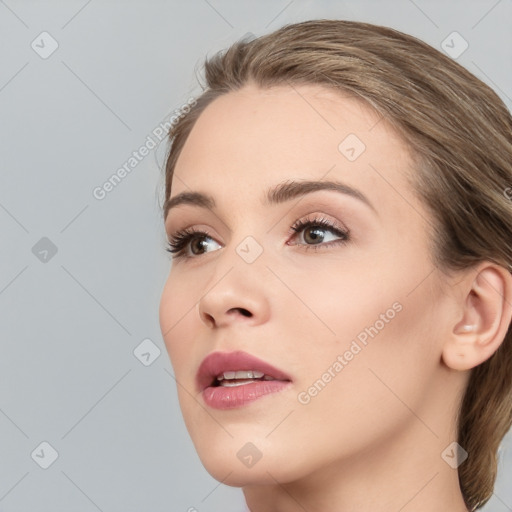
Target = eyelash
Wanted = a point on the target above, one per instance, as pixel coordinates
(179, 241)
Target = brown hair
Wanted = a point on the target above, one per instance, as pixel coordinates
(460, 135)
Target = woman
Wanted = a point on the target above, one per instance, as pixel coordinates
(339, 303)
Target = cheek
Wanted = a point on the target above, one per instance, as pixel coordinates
(368, 396)
(176, 309)
(371, 340)
(333, 306)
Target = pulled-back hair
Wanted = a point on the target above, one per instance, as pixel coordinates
(459, 133)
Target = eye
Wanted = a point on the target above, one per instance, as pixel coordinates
(181, 240)
(313, 233)
(312, 230)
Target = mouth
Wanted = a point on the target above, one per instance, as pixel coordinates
(239, 378)
(233, 379)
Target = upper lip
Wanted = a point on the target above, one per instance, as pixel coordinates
(216, 363)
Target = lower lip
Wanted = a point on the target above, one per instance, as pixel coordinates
(220, 397)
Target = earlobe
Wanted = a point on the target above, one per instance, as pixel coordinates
(486, 315)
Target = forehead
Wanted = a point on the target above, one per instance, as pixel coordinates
(248, 140)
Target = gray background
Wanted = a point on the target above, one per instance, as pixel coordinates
(71, 321)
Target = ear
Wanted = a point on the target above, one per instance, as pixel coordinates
(480, 328)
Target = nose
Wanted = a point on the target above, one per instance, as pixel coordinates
(237, 297)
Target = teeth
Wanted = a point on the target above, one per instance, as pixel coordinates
(243, 374)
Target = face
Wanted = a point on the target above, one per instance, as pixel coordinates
(333, 287)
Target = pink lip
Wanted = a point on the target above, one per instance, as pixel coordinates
(220, 397)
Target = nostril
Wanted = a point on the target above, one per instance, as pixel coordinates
(209, 320)
(243, 311)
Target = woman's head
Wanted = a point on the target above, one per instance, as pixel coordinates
(371, 327)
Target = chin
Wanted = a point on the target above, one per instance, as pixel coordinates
(238, 462)
(227, 475)
(236, 474)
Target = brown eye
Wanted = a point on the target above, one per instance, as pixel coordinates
(198, 242)
(197, 245)
(314, 235)
(314, 232)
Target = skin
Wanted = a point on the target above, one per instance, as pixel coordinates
(373, 437)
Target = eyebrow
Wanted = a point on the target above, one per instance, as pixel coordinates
(276, 195)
